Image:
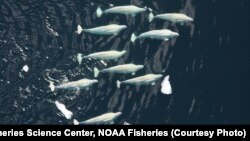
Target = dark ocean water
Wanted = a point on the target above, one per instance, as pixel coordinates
(208, 63)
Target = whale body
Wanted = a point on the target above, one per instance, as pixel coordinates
(106, 55)
(173, 17)
(112, 29)
(80, 84)
(125, 68)
(163, 34)
(125, 10)
(142, 80)
(103, 119)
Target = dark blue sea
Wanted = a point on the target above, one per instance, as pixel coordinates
(208, 63)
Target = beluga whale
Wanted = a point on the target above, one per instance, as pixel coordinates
(104, 119)
(106, 55)
(148, 79)
(125, 10)
(172, 17)
(163, 34)
(112, 29)
(122, 69)
(74, 85)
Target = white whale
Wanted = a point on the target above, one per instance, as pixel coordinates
(106, 55)
(163, 34)
(125, 10)
(173, 17)
(112, 29)
(103, 119)
(125, 68)
(80, 84)
(142, 80)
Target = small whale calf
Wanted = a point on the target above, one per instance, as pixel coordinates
(142, 80)
(112, 29)
(103, 119)
(125, 10)
(106, 55)
(80, 84)
(125, 68)
(173, 17)
(163, 34)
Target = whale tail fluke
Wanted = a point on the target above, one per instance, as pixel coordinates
(96, 72)
(133, 37)
(79, 29)
(75, 122)
(151, 17)
(79, 58)
(118, 84)
(52, 86)
(99, 12)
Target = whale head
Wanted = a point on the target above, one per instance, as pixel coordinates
(116, 115)
(123, 52)
(140, 67)
(142, 10)
(158, 76)
(175, 34)
(94, 81)
(189, 19)
(123, 27)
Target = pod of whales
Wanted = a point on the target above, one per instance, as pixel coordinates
(130, 68)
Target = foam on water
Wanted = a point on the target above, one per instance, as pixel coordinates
(166, 86)
(50, 29)
(26, 68)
